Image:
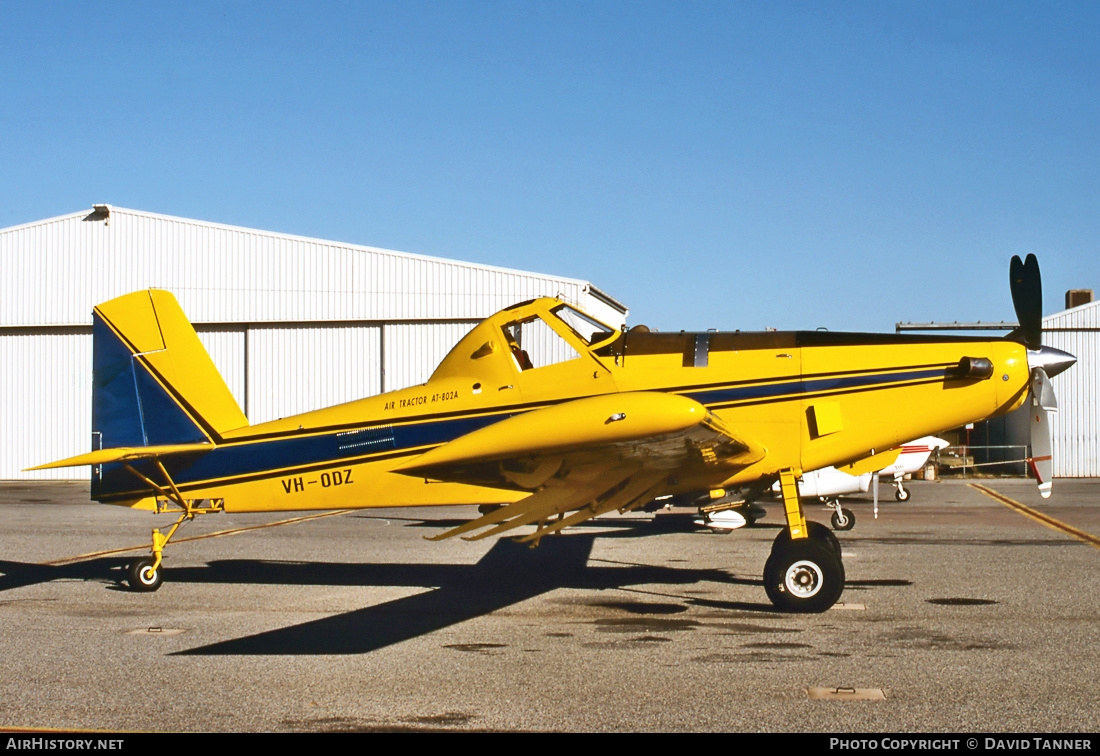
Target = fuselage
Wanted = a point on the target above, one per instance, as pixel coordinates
(810, 399)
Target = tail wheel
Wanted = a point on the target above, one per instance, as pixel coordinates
(143, 576)
(804, 576)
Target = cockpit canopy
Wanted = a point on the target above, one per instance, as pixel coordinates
(537, 341)
(530, 335)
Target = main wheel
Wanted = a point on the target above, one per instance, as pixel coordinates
(142, 577)
(843, 519)
(815, 531)
(803, 576)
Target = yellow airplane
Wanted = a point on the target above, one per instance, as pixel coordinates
(547, 418)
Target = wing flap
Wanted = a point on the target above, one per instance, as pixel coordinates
(636, 491)
(602, 491)
(588, 456)
(576, 488)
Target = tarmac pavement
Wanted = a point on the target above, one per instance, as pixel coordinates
(961, 614)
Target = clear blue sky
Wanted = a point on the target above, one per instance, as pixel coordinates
(711, 164)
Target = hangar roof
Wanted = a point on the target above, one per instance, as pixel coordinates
(57, 269)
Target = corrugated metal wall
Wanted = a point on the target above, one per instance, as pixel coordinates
(223, 274)
(1076, 426)
(294, 369)
(227, 348)
(45, 402)
(411, 352)
(293, 324)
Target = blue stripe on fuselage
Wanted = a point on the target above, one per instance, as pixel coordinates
(800, 386)
(278, 456)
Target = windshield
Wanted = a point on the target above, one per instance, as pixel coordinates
(589, 330)
(535, 344)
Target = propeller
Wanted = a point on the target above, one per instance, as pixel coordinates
(1027, 297)
(1043, 361)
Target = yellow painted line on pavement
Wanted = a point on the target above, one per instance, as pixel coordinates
(218, 534)
(1047, 520)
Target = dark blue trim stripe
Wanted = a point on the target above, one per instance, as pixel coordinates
(251, 459)
(231, 463)
(758, 393)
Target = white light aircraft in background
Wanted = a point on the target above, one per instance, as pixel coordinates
(829, 483)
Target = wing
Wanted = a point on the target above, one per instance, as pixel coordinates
(587, 456)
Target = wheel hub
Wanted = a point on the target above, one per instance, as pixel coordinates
(804, 579)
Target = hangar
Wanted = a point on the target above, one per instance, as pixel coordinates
(292, 323)
(1002, 443)
(1076, 427)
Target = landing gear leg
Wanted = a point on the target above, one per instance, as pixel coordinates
(805, 572)
(842, 518)
(145, 574)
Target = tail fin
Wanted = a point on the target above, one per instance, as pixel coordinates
(154, 384)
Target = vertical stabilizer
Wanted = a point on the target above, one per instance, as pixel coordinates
(153, 381)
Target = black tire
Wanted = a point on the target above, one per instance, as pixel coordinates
(901, 494)
(816, 532)
(142, 577)
(803, 576)
(843, 519)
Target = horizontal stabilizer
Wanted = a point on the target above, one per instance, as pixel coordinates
(125, 454)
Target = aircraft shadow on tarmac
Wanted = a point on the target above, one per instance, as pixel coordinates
(508, 574)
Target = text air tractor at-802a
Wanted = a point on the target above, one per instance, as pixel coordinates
(555, 417)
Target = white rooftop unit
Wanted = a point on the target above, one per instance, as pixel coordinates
(292, 323)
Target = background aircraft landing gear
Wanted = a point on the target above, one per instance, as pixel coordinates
(804, 575)
(144, 575)
(843, 519)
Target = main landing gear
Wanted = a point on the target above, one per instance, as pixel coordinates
(805, 571)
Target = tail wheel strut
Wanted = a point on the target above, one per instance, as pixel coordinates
(145, 574)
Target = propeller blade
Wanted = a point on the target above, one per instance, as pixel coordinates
(874, 486)
(1027, 299)
(1043, 402)
(1042, 391)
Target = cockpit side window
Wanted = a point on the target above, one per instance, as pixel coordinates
(534, 344)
